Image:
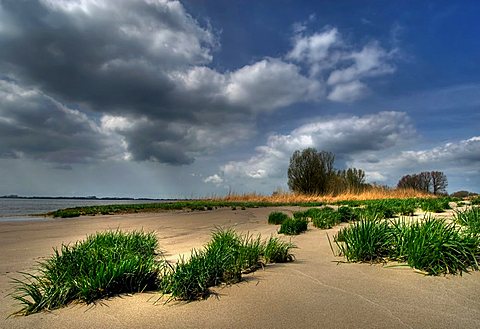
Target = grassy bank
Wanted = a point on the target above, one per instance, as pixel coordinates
(404, 206)
(200, 205)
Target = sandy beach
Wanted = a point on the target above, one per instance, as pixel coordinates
(315, 291)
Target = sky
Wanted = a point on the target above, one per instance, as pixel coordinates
(198, 98)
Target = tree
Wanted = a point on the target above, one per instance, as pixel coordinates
(430, 182)
(353, 180)
(439, 182)
(310, 171)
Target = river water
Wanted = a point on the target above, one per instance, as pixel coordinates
(23, 209)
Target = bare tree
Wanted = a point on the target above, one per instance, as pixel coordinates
(439, 182)
(430, 182)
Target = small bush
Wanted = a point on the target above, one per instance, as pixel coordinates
(189, 280)
(277, 218)
(293, 226)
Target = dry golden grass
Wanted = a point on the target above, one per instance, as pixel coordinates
(374, 193)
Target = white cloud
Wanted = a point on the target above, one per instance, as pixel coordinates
(459, 158)
(347, 92)
(214, 179)
(313, 48)
(345, 136)
(270, 84)
(371, 61)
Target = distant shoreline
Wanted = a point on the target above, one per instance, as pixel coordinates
(83, 198)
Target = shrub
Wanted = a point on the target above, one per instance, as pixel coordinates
(103, 265)
(293, 226)
(277, 218)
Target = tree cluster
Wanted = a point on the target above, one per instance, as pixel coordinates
(427, 181)
(312, 172)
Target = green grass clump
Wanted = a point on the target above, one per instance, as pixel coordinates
(223, 260)
(435, 205)
(433, 246)
(470, 219)
(293, 226)
(380, 209)
(475, 201)
(278, 251)
(325, 218)
(103, 265)
(348, 214)
(277, 217)
(367, 240)
(436, 247)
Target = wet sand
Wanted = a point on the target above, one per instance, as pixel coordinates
(315, 291)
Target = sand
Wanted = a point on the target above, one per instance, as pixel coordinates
(315, 291)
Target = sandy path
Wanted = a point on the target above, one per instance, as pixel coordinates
(313, 292)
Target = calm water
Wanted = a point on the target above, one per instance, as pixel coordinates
(20, 209)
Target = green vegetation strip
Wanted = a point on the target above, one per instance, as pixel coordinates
(432, 245)
(111, 263)
(176, 205)
(401, 206)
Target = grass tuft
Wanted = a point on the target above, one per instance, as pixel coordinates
(277, 217)
(278, 251)
(224, 259)
(367, 240)
(293, 226)
(433, 246)
(103, 265)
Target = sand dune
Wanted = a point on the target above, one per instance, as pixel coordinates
(315, 291)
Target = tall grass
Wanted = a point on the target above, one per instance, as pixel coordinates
(110, 263)
(434, 246)
(277, 218)
(374, 193)
(103, 265)
(293, 226)
(223, 260)
(368, 240)
(470, 219)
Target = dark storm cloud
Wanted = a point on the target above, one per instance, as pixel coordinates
(146, 62)
(112, 55)
(35, 125)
